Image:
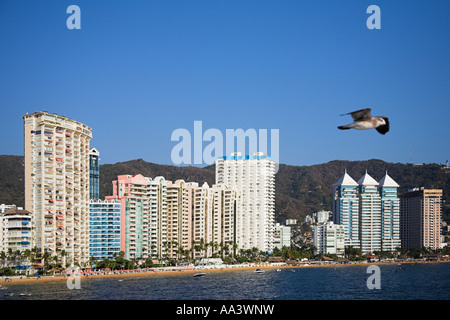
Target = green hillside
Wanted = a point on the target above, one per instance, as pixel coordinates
(300, 190)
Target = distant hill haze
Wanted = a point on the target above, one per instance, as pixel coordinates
(299, 190)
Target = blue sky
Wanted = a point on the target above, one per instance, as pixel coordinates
(138, 70)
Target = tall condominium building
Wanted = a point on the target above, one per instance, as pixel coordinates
(57, 184)
(369, 214)
(329, 238)
(199, 211)
(420, 218)
(223, 204)
(15, 230)
(94, 174)
(199, 215)
(369, 211)
(143, 215)
(346, 208)
(179, 222)
(104, 229)
(254, 178)
(390, 214)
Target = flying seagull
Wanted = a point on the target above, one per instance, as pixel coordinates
(362, 120)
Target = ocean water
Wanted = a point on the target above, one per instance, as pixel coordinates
(405, 282)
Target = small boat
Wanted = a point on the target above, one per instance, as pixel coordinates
(200, 274)
(259, 271)
(278, 269)
(9, 294)
(25, 294)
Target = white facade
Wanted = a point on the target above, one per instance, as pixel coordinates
(5, 207)
(370, 214)
(282, 236)
(15, 230)
(57, 184)
(254, 177)
(321, 216)
(329, 238)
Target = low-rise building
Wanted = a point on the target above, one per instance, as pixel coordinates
(329, 238)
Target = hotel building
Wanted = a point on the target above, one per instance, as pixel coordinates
(282, 236)
(390, 214)
(369, 211)
(254, 178)
(369, 214)
(329, 238)
(420, 218)
(104, 229)
(199, 215)
(57, 184)
(143, 215)
(179, 222)
(346, 208)
(15, 230)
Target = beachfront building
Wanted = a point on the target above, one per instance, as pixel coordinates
(346, 208)
(143, 215)
(199, 218)
(15, 230)
(179, 222)
(56, 152)
(201, 231)
(420, 218)
(104, 229)
(369, 214)
(390, 214)
(94, 174)
(254, 178)
(329, 238)
(281, 236)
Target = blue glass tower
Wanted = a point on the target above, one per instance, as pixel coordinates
(94, 174)
(346, 208)
(104, 229)
(390, 214)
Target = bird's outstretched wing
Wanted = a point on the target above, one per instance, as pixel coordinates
(360, 115)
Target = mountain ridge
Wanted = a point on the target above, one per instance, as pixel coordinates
(299, 190)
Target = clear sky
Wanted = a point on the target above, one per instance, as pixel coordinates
(138, 70)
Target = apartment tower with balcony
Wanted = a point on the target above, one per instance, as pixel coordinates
(254, 178)
(420, 218)
(143, 215)
(346, 208)
(56, 152)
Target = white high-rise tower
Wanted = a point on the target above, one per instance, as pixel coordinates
(254, 177)
(56, 152)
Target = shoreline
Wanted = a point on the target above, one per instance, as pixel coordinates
(192, 271)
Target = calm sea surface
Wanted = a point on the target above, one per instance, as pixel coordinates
(405, 282)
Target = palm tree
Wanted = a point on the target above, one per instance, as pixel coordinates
(18, 259)
(45, 257)
(3, 257)
(10, 255)
(235, 247)
(221, 245)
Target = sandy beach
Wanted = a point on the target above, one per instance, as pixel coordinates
(172, 271)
